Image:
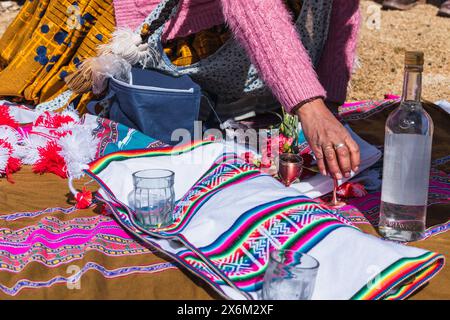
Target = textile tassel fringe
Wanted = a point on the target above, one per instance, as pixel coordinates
(8, 163)
(4, 157)
(14, 165)
(9, 134)
(80, 81)
(52, 120)
(78, 148)
(6, 119)
(27, 151)
(83, 199)
(50, 160)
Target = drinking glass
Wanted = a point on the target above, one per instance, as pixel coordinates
(290, 168)
(290, 275)
(154, 197)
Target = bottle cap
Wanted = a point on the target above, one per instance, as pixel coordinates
(415, 58)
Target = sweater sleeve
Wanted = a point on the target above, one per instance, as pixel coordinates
(266, 31)
(336, 64)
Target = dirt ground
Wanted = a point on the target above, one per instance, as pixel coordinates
(385, 35)
(381, 51)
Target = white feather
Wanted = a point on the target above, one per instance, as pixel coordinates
(78, 149)
(108, 66)
(127, 44)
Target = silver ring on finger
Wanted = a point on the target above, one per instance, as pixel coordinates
(339, 145)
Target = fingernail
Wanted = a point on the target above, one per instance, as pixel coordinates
(356, 169)
(338, 176)
(324, 173)
(347, 174)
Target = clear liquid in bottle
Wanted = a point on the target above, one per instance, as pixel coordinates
(407, 160)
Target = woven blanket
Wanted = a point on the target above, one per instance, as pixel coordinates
(230, 216)
(43, 250)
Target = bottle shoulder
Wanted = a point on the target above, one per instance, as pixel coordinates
(410, 118)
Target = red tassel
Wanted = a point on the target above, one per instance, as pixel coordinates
(84, 199)
(50, 160)
(14, 165)
(54, 121)
(6, 119)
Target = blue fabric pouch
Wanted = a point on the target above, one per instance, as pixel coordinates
(154, 103)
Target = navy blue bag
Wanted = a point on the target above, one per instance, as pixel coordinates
(154, 103)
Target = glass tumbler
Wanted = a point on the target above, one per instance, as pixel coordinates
(290, 275)
(154, 197)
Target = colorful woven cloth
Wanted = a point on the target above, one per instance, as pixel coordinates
(64, 253)
(112, 264)
(115, 137)
(46, 41)
(227, 224)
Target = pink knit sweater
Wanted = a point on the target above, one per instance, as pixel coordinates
(266, 30)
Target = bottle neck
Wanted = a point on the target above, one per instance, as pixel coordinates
(412, 85)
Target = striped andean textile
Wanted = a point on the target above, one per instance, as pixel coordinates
(229, 220)
(41, 249)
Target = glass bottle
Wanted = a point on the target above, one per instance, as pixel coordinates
(407, 160)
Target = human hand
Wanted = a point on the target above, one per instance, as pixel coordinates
(334, 148)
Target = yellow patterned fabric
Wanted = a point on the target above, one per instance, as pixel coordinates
(46, 41)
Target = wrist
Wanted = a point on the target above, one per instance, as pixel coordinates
(295, 109)
(311, 107)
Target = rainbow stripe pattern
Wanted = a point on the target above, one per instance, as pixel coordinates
(239, 256)
(390, 283)
(101, 163)
(241, 253)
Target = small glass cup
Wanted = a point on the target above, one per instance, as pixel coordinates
(290, 275)
(290, 168)
(154, 197)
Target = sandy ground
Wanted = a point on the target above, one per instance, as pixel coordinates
(381, 51)
(385, 35)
